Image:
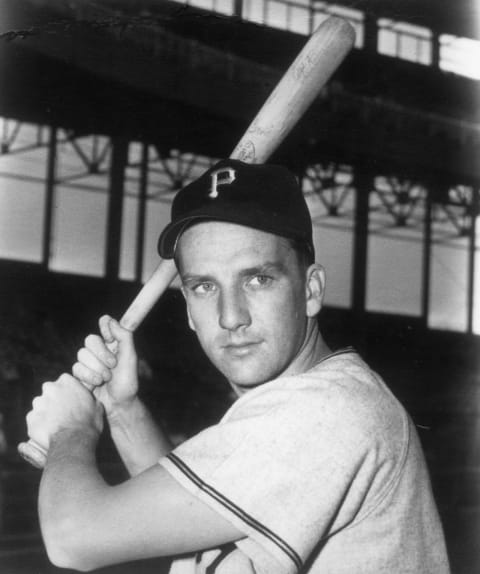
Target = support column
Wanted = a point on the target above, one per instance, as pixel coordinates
(370, 48)
(238, 8)
(435, 51)
(370, 37)
(427, 254)
(311, 17)
(142, 205)
(363, 185)
(471, 258)
(49, 196)
(118, 163)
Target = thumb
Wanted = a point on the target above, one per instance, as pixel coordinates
(125, 348)
(120, 333)
(115, 336)
(123, 339)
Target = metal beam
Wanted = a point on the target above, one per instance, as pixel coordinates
(471, 258)
(363, 184)
(142, 205)
(118, 164)
(49, 196)
(238, 8)
(427, 255)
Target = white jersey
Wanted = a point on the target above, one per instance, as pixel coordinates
(323, 472)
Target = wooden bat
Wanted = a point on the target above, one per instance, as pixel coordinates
(299, 86)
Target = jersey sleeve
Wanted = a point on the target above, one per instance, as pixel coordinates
(285, 469)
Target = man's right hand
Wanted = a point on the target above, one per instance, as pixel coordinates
(112, 369)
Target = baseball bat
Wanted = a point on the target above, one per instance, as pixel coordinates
(299, 86)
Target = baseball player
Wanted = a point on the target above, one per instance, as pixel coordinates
(315, 468)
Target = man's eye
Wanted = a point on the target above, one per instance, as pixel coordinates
(204, 288)
(260, 281)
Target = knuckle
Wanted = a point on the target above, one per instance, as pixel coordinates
(69, 381)
(63, 379)
(81, 354)
(46, 387)
(90, 340)
(80, 372)
(92, 378)
(110, 359)
(86, 374)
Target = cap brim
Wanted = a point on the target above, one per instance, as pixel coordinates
(169, 237)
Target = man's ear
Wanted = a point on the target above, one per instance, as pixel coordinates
(190, 322)
(315, 289)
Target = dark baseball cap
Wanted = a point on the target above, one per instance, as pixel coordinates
(263, 196)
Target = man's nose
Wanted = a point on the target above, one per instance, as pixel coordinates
(233, 310)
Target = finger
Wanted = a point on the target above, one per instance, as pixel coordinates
(64, 378)
(104, 324)
(48, 387)
(74, 383)
(86, 375)
(29, 417)
(32, 421)
(36, 403)
(93, 363)
(122, 335)
(97, 346)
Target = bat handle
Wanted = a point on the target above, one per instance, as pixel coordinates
(33, 453)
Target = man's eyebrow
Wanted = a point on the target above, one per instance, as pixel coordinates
(193, 278)
(263, 268)
(267, 267)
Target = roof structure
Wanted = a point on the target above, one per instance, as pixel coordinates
(459, 17)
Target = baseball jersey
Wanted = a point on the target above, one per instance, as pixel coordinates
(323, 472)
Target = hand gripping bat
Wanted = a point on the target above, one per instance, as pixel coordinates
(301, 83)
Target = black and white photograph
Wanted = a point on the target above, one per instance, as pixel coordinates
(205, 204)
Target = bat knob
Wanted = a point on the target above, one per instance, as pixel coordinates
(33, 453)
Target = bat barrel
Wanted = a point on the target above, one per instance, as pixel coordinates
(299, 86)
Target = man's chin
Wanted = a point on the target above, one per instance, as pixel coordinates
(247, 370)
(248, 378)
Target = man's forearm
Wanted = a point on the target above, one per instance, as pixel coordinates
(73, 492)
(140, 441)
(69, 489)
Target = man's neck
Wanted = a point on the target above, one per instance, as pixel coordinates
(313, 350)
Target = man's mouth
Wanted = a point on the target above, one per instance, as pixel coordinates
(240, 349)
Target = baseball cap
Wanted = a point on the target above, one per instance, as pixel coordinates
(263, 196)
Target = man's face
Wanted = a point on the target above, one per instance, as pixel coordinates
(246, 299)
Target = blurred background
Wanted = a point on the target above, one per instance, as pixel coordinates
(108, 107)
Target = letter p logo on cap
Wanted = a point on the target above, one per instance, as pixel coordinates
(222, 176)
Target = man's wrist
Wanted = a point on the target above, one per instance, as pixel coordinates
(122, 412)
(75, 440)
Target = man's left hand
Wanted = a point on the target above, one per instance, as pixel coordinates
(63, 405)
